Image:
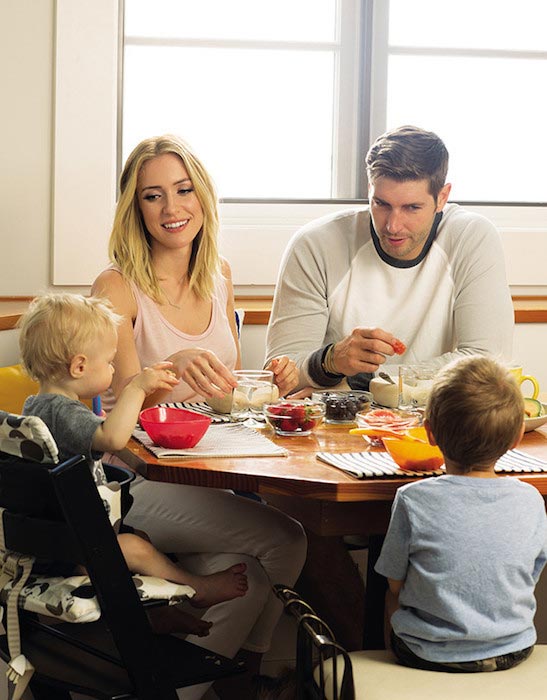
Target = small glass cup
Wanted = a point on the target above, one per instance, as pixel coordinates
(254, 389)
(415, 383)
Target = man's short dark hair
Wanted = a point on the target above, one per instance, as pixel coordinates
(409, 153)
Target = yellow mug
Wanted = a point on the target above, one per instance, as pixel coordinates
(520, 377)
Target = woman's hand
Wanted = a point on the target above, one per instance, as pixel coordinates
(285, 373)
(203, 372)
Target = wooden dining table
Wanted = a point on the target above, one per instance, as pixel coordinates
(327, 501)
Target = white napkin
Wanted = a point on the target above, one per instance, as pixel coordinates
(228, 440)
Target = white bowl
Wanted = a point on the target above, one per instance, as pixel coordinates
(533, 423)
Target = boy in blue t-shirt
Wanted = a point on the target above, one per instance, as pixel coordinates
(464, 551)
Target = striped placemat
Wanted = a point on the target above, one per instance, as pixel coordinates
(377, 465)
(200, 407)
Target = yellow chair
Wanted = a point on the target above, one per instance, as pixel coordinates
(15, 386)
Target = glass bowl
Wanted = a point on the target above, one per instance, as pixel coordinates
(343, 406)
(294, 417)
(384, 422)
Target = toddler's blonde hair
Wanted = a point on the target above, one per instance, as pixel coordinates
(57, 327)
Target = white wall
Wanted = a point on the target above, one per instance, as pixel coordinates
(26, 52)
(530, 350)
(9, 349)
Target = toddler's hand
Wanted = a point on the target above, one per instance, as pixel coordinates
(159, 376)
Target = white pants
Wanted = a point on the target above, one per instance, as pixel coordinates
(212, 530)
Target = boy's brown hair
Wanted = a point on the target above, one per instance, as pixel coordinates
(475, 412)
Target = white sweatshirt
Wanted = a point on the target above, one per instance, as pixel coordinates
(452, 300)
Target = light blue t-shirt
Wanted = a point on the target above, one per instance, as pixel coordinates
(470, 552)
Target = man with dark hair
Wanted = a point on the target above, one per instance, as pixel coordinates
(409, 268)
(354, 284)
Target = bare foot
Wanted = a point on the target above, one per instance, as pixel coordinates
(170, 619)
(216, 588)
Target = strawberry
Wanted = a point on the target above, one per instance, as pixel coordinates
(298, 413)
(276, 410)
(399, 348)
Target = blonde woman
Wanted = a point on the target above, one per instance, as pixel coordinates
(168, 280)
(176, 298)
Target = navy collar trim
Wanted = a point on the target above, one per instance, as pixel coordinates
(395, 262)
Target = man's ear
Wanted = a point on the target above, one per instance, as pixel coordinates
(77, 366)
(430, 435)
(442, 197)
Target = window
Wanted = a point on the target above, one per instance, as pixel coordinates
(274, 97)
(260, 90)
(473, 71)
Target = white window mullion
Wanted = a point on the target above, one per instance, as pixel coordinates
(346, 162)
(379, 78)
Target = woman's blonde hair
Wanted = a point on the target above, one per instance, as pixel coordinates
(475, 411)
(57, 327)
(129, 246)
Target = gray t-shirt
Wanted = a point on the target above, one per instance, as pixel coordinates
(72, 426)
(470, 552)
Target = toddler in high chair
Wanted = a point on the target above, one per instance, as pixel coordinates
(67, 344)
(464, 551)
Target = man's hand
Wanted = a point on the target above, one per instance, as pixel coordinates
(364, 350)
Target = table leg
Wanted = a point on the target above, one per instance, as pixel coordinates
(376, 586)
(331, 583)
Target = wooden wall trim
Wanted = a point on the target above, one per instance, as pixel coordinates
(257, 309)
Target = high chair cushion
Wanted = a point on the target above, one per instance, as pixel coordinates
(27, 437)
(378, 676)
(73, 599)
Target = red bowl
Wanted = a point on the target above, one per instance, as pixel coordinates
(175, 428)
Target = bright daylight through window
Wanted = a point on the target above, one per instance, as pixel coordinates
(282, 99)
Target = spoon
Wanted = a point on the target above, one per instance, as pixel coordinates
(386, 376)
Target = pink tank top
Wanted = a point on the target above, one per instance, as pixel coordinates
(156, 338)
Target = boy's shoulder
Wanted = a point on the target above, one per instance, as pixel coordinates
(57, 410)
(453, 484)
(433, 483)
(49, 401)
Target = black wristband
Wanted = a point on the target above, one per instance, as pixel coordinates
(316, 371)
